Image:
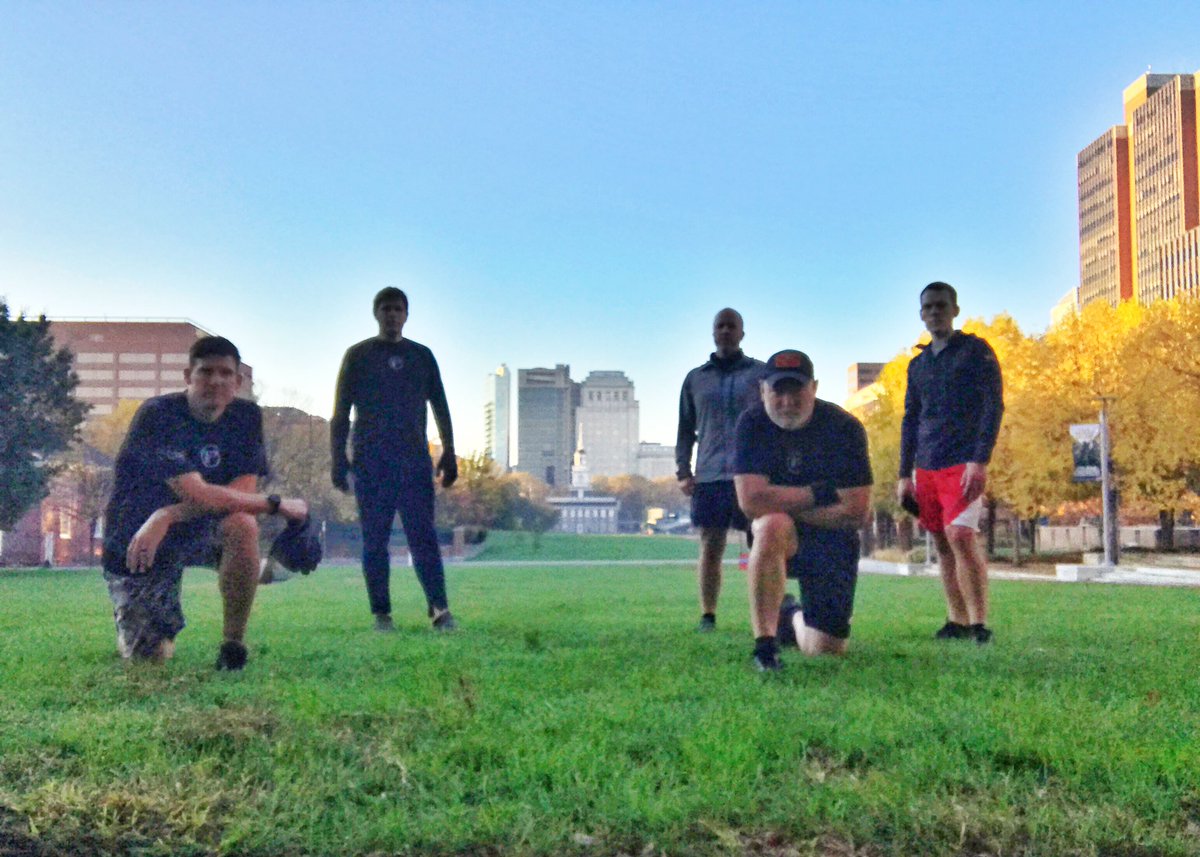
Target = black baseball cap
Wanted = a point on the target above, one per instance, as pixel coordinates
(298, 547)
(788, 364)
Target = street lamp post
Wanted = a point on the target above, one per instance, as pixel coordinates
(1107, 492)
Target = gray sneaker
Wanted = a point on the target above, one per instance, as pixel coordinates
(383, 622)
(445, 623)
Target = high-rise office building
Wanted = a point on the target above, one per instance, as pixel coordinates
(608, 420)
(497, 416)
(546, 401)
(1139, 197)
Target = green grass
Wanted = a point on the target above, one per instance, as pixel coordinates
(578, 713)
(502, 546)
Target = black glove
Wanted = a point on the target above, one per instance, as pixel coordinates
(340, 475)
(448, 468)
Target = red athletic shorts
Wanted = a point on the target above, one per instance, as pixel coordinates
(940, 496)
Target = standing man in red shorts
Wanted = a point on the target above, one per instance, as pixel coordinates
(952, 412)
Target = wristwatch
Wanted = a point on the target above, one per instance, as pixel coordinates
(273, 502)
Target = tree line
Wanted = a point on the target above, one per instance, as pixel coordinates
(1144, 358)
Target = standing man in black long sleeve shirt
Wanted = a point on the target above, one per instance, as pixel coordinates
(388, 380)
(952, 411)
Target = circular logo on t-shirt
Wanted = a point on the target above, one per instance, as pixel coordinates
(210, 455)
(795, 461)
(396, 363)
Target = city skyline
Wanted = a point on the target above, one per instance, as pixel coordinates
(554, 183)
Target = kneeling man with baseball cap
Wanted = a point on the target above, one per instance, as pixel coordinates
(804, 478)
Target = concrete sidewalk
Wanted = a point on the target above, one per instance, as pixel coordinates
(1128, 575)
(1123, 574)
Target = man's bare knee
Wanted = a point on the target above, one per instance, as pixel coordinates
(814, 643)
(960, 538)
(161, 653)
(774, 531)
(713, 537)
(239, 527)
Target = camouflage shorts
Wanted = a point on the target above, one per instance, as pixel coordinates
(146, 609)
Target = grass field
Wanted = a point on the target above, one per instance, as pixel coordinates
(502, 546)
(577, 713)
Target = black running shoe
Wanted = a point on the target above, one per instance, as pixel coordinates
(767, 661)
(953, 631)
(981, 633)
(232, 656)
(708, 624)
(383, 623)
(445, 623)
(785, 632)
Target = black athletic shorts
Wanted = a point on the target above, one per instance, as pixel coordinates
(827, 570)
(714, 505)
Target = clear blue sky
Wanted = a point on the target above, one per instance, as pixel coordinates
(582, 183)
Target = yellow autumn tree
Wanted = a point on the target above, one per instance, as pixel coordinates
(1030, 464)
(881, 418)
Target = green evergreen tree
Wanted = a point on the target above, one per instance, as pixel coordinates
(39, 416)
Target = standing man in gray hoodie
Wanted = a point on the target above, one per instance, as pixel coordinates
(713, 397)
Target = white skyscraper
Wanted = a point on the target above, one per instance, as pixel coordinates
(497, 416)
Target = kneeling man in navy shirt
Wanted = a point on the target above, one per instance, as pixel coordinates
(804, 478)
(186, 493)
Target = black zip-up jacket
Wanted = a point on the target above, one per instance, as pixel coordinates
(952, 407)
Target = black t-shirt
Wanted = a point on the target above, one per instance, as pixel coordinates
(166, 441)
(831, 446)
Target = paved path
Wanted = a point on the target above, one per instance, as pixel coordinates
(1129, 575)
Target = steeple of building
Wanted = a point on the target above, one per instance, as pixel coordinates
(581, 479)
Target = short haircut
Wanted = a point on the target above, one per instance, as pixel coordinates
(213, 346)
(386, 295)
(939, 286)
(741, 321)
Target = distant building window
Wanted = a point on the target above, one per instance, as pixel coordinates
(138, 392)
(94, 392)
(171, 375)
(137, 375)
(96, 337)
(175, 359)
(95, 374)
(94, 357)
(137, 357)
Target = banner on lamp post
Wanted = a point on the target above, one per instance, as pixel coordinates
(1085, 450)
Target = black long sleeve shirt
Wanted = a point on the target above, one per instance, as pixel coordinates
(952, 407)
(388, 384)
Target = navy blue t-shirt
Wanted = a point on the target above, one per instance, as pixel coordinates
(166, 441)
(831, 446)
